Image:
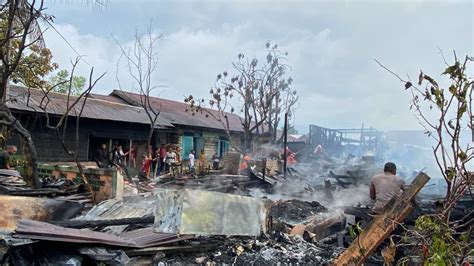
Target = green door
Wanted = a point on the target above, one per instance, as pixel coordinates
(187, 146)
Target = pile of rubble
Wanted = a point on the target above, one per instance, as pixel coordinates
(215, 219)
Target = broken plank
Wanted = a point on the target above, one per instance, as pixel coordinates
(172, 249)
(14, 208)
(95, 223)
(396, 210)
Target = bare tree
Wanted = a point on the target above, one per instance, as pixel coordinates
(263, 95)
(21, 35)
(74, 107)
(445, 113)
(452, 110)
(141, 61)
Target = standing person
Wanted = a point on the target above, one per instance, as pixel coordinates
(102, 156)
(215, 161)
(133, 156)
(291, 160)
(5, 157)
(243, 169)
(162, 153)
(384, 186)
(155, 160)
(118, 158)
(170, 159)
(146, 165)
(191, 158)
(202, 163)
(178, 154)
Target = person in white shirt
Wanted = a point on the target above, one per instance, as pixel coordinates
(170, 159)
(191, 158)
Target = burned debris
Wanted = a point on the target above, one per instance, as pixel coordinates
(219, 218)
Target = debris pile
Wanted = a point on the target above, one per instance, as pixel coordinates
(214, 219)
(264, 250)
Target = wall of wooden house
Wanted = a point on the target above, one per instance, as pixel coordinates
(50, 149)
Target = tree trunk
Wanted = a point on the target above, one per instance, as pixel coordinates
(148, 142)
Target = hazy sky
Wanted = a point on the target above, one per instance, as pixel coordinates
(331, 46)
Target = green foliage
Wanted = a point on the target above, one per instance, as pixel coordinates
(441, 248)
(34, 61)
(354, 230)
(65, 83)
(33, 67)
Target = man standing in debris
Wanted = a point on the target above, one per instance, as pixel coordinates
(5, 157)
(384, 186)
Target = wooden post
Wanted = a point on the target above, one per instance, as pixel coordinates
(382, 225)
(285, 144)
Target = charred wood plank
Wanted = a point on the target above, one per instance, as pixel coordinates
(396, 210)
(96, 223)
(168, 250)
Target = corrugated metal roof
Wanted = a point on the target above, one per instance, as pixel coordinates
(115, 209)
(175, 112)
(141, 238)
(25, 99)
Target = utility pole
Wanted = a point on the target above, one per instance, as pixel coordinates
(285, 144)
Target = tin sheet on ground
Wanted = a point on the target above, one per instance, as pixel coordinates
(208, 213)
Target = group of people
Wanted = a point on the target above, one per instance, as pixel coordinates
(155, 162)
(202, 162)
(160, 160)
(119, 156)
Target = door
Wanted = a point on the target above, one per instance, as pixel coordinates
(187, 146)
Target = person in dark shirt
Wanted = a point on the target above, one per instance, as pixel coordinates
(101, 156)
(5, 156)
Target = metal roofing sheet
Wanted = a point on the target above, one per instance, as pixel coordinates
(175, 112)
(141, 238)
(32, 100)
(115, 209)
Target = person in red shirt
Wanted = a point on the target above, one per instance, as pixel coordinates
(162, 153)
(245, 164)
(291, 159)
(146, 166)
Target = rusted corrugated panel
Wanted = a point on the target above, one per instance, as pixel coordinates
(14, 208)
(175, 113)
(140, 238)
(32, 100)
(115, 209)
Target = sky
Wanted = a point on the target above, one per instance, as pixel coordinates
(331, 48)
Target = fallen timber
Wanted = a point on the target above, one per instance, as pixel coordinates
(97, 223)
(382, 225)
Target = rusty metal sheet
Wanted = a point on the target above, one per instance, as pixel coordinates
(141, 238)
(14, 208)
(31, 100)
(175, 112)
(129, 207)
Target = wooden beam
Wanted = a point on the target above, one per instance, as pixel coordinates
(94, 223)
(169, 249)
(396, 210)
